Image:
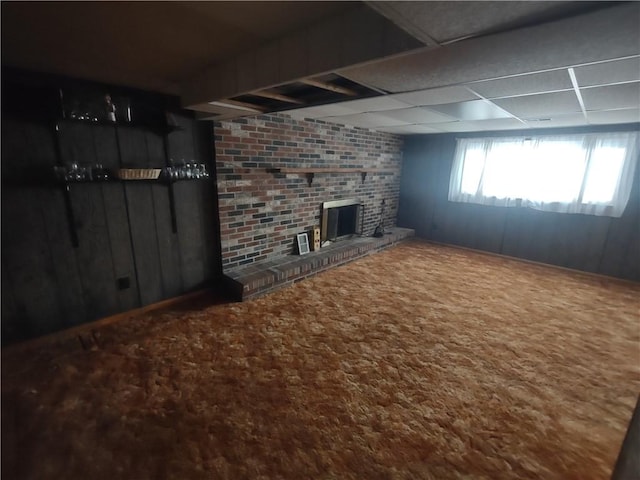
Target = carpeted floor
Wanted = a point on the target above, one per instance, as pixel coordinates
(421, 361)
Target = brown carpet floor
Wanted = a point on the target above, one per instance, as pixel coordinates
(421, 361)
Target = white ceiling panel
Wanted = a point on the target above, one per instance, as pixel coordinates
(573, 120)
(364, 120)
(436, 96)
(605, 73)
(481, 125)
(380, 119)
(624, 95)
(353, 122)
(543, 105)
(418, 115)
(454, 127)
(409, 129)
(630, 115)
(375, 104)
(322, 111)
(499, 124)
(473, 110)
(550, 81)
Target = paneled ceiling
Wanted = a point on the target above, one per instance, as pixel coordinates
(401, 67)
(604, 93)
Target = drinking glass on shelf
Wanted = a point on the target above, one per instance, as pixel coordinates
(100, 173)
(73, 174)
(60, 173)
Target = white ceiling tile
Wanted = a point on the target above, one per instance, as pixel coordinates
(572, 120)
(473, 110)
(456, 126)
(542, 105)
(418, 115)
(350, 120)
(331, 110)
(605, 73)
(334, 109)
(436, 96)
(624, 95)
(364, 120)
(500, 124)
(481, 125)
(551, 81)
(375, 104)
(408, 129)
(380, 119)
(629, 115)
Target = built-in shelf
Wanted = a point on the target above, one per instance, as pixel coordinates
(49, 183)
(311, 171)
(158, 127)
(65, 102)
(45, 179)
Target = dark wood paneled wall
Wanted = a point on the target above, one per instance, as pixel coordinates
(605, 245)
(124, 228)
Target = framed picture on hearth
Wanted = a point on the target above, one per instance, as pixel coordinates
(303, 243)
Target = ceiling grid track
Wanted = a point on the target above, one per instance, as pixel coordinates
(576, 89)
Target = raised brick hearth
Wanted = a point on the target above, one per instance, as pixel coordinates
(262, 277)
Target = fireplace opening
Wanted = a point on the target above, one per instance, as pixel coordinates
(340, 219)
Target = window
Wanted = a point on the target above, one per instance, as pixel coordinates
(587, 173)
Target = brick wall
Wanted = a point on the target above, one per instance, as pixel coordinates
(261, 212)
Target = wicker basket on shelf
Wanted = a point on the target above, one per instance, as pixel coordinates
(139, 173)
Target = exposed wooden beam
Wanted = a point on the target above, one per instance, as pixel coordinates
(239, 105)
(276, 96)
(329, 86)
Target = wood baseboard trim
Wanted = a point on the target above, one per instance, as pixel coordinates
(87, 328)
(593, 275)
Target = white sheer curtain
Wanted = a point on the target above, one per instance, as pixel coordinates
(586, 173)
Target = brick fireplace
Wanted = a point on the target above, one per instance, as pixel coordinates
(262, 209)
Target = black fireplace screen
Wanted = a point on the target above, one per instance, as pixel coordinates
(341, 221)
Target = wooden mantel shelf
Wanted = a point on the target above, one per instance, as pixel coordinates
(311, 171)
(326, 170)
